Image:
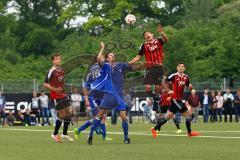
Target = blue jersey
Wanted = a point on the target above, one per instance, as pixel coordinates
(103, 84)
(92, 75)
(117, 73)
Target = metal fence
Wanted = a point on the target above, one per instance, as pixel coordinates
(34, 85)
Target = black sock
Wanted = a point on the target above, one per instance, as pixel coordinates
(57, 126)
(176, 123)
(159, 124)
(65, 127)
(188, 125)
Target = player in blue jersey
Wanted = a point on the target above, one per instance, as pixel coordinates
(110, 97)
(117, 75)
(91, 102)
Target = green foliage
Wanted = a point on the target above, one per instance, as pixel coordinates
(204, 34)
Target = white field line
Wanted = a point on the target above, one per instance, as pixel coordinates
(138, 133)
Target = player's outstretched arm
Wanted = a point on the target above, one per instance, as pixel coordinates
(86, 93)
(190, 87)
(135, 59)
(100, 57)
(160, 30)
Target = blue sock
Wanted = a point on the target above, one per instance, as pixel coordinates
(125, 128)
(84, 126)
(95, 124)
(103, 128)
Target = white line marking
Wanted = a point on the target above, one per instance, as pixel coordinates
(137, 133)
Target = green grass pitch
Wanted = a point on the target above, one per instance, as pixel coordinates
(217, 141)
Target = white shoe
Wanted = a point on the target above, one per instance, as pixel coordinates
(66, 137)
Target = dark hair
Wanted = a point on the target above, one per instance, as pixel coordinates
(55, 55)
(181, 63)
(145, 32)
(107, 53)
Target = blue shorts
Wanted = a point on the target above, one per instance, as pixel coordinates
(94, 106)
(121, 107)
(109, 101)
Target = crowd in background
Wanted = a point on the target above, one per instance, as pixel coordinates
(214, 106)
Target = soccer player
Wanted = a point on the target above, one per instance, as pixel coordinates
(54, 82)
(118, 69)
(90, 102)
(178, 81)
(110, 98)
(152, 49)
(165, 103)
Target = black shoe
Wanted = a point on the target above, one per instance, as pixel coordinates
(127, 141)
(89, 140)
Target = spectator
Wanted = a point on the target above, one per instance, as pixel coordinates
(19, 119)
(213, 107)
(205, 101)
(10, 118)
(128, 101)
(29, 119)
(76, 99)
(44, 100)
(219, 98)
(36, 108)
(228, 100)
(194, 103)
(237, 105)
(53, 112)
(2, 109)
(147, 111)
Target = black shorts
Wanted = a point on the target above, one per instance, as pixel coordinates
(164, 109)
(153, 75)
(61, 103)
(177, 105)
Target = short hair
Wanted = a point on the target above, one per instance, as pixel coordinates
(55, 55)
(181, 63)
(107, 53)
(145, 32)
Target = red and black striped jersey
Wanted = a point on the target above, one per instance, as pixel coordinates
(55, 77)
(165, 99)
(153, 52)
(178, 83)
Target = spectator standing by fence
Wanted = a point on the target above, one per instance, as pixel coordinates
(44, 101)
(2, 109)
(219, 98)
(205, 100)
(228, 103)
(36, 108)
(53, 112)
(76, 99)
(237, 105)
(213, 107)
(194, 103)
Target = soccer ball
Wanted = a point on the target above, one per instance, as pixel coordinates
(130, 19)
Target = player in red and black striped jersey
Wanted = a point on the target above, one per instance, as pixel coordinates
(152, 49)
(165, 103)
(54, 82)
(178, 81)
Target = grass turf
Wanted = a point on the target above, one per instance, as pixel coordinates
(217, 141)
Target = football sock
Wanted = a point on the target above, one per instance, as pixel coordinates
(176, 124)
(188, 125)
(65, 127)
(125, 128)
(57, 126)
(160, 123)
(103, 128)
(84, 126)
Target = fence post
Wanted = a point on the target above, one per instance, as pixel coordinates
(34, 85)
(2, 88)
(224, 84)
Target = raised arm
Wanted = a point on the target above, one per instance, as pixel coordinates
(100, 57)
(160, 30)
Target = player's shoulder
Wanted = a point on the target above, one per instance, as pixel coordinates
(185, 75)
(172, 75)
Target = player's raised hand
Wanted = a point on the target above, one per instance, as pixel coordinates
(159, 28)
(102, 45)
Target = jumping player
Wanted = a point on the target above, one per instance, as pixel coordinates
(152, 49)
(54, 82)
(178, 81)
